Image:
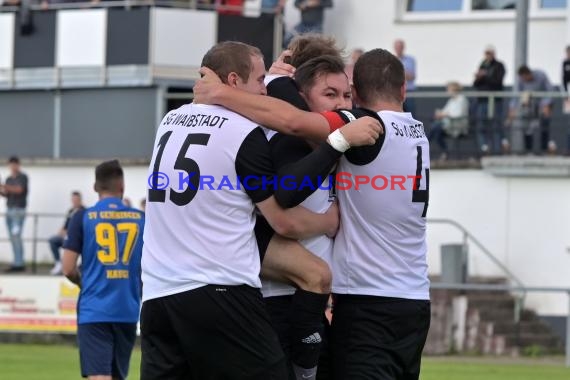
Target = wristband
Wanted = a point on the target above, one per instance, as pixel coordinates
(338, 142)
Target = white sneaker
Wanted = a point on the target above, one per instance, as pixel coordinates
(505, 145)
(56, 270)
(551, 149)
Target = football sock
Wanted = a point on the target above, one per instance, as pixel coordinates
(306, 330)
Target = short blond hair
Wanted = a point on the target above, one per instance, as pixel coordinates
(455, 86)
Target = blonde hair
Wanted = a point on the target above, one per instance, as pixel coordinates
(454, 86)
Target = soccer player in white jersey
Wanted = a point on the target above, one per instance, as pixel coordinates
(203, 315)
(380, 282)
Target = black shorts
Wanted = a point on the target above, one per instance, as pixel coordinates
(213, 332)
(105, 348)
(378, 337)
(263, 233)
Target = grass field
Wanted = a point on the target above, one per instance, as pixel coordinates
(35, 362)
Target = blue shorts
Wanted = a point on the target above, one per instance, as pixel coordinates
(105, 348)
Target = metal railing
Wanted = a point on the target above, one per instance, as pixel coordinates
(34, 238)
(188, 4)
(468, 236)
(520, 297)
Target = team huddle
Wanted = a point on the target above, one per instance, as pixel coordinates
(267, 281)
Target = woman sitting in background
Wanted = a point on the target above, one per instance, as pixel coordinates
(452, 120)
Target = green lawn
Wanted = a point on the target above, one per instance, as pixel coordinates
(36, 362)
(465, 368)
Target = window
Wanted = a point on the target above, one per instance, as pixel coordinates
(421, 10)
(552, 4)
(493, 4)
(434, 5)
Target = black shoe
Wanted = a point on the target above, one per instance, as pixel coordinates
(13, 269)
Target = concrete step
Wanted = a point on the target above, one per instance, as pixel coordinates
(547, 342)
(496, 315)
(534, 327)
(496, 302)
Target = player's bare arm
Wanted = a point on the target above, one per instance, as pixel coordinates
(279, 115)
(288, 261)
(298, 222)
(69, 266)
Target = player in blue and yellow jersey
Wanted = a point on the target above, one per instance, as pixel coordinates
(108, 237)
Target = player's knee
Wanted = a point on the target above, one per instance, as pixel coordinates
(319, 278)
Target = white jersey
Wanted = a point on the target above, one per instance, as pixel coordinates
(195, 235)
(380, 249)
(321, 246)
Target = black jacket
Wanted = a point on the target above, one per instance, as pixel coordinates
(493, 80)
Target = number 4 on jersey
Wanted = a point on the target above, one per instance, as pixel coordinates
(421, 196)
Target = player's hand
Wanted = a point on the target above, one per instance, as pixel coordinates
(363, 131)
(333, 218)
(206, 87)
(279, 67)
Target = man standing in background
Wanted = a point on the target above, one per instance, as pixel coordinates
(532, 113)
(275, 6)
(565, 82)
(566, 69)
(16, 192)
(409, 63)
(312, 18)
(489, 77)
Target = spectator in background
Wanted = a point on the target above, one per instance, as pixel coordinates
(489, 77)
(349, 68)
(532, 113)
(127, 202)
(452, 120)
(16, 192)
(230, 7)
(143, 204)
(409, 63)
(274, 6)
(205, 4)
(312, 17)
(565, 84)
(56, 241)
(566, 70)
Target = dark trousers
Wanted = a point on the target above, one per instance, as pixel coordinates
(55, 243)
(438, 134)
(215, 332)
(378, 338)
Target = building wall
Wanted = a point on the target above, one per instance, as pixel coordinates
(81, 123)
(446, 47)
(525, 222)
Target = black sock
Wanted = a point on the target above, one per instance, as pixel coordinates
(307, 327)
